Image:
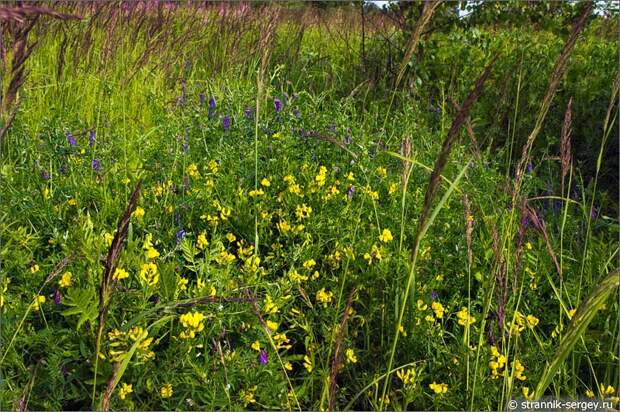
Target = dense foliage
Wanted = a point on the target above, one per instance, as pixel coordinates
(283, 181)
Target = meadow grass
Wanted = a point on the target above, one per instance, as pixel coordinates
(307, 235)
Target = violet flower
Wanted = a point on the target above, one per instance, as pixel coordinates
(248, 113)
(226, 123)
(278, 104)
(70, 139)
(96, 165)
(57, 297)
(263, 357)
(92, 137)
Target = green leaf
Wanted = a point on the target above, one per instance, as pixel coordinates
(81, 302)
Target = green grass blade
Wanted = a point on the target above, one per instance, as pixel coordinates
(585, 313)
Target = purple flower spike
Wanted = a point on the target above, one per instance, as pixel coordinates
(530, 168)
(92, 137)
(263, 357)
(248, 113)
(96, 164)
(70, 139)
(350, 192)
(201, 96)
(434, 295)
(212, 103)
(180, 235)
(278, 105)
(45, 175)
(57, 297)
(594, 213)
(226, 123)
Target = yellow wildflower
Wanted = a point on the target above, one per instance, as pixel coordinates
(256, 346)
(248, 396)
(407, 376)
(386, 236)
(350, 354)
(149, 274)
(265, 182)
(464, 318)
(166, 391)
(201, 241)
(303, 211)
(374, 255)
(273, 326)
(193, 323)
(38, 301)
(519, 369)
(308, 364)
(324, 297)
(270, 307)
(125, 390)
(531, 321)
(438, 309)
(192, 171)
(438, 388)
(65, 280)
(182, 283)
(34, 268)
(607, 390)
(231, 237)
(138, 213)
(108, 238)
(421, 305)
(120, 274)
(571, 313)
(309, 264)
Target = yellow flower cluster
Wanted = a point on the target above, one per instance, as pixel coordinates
(308, 364)
(161, 188)
(125, 390)
(138, 213)
(201, 241)
(497, 363)
(407, 376)
(438, 388)
(282, 341)
(374, 255)
(520, 322)
(438, 309)
(149, 274)
(120, 274)
(65, 280)
(247, 396)
(350, 355)
(37, 302)
(151, 252)
(464, 318)
(166, 391)
(303, 211)
(121, 342)
(193, 323)
(386, 236)
(519, 369)
(192, 171)
(321, 177)
(270, 307)
(293, 186)
(324, 297)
